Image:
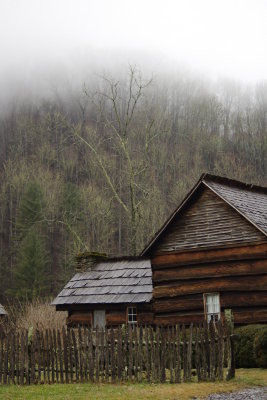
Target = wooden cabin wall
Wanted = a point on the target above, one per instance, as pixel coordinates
(115, 314)
(238, 274)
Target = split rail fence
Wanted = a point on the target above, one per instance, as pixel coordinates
(164, 354)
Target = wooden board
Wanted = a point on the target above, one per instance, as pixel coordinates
(212, 270)
(178, 319)
(250, 317)
(211, 285)
(197, 257)
(116, 318)
(80, 318)
(195, 301)
(145, 318)
(207, 222)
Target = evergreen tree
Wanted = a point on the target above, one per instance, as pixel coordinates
(71, 203)
(31, 275)
(31, 207)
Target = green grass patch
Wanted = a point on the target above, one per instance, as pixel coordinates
(185, 391)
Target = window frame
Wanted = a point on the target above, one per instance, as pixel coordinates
(208, 315)
(133, 307)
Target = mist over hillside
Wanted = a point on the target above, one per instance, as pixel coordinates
(109, 113)
(99, 165)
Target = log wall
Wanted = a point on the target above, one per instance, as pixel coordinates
(238, 274)
(115, 314)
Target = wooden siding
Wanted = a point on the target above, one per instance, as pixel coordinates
(195, 302)
(214, 270)
(115, 314)
(80, 318)
(238, 274)
(245, 316)
(199, 257)
(207, 222)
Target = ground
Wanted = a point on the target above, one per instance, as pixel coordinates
(185, 391)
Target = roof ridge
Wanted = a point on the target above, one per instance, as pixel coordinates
(233, 183)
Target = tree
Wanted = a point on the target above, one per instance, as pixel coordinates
(118, 107)
(31, 275)
(31, 207)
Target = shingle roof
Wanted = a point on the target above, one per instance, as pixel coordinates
(126, 281)
(2, 310)
(248, 200)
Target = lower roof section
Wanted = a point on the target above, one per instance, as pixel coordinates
(110, 282)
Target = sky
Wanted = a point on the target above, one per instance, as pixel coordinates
(221, 38)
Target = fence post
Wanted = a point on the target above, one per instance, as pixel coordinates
(229, 319)
(231, 359)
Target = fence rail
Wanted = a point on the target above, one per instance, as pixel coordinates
(140, 353)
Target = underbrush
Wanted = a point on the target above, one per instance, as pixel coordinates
(35, 315)
(251, 346)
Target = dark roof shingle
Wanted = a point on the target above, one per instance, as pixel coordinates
(126, 281)
(252, 204)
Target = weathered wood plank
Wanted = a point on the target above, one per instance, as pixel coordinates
(208, 221)
(211, 270)
(80, 318)
(250, 316)
(144, 318)
(185, 377)
(204, 256)
(195, 301)
(178, 319)
(115, 318)
(59, 343)
(212, 285)
(146, 351)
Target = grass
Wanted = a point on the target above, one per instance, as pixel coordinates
(185, 391)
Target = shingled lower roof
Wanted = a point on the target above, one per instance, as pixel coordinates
(2, 310)
(126, 281)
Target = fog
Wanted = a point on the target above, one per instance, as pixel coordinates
(47, 44)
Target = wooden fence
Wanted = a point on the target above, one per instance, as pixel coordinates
(132, 354)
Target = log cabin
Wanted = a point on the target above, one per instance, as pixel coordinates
(108, 292)
(211, 255)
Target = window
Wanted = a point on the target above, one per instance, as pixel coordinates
(132, 315)
(212, 306)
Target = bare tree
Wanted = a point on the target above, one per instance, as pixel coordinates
(117, 111)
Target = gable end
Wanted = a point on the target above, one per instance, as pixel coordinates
(207, 222)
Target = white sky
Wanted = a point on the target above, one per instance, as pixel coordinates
(220, 37)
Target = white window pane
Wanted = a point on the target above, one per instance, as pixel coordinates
(212, 301)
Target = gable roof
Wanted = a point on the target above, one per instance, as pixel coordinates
(111, 281)
(248, 200)
(2, 310)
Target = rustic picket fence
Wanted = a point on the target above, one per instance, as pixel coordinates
(134, 354)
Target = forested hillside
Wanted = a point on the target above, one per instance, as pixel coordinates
(101, 168)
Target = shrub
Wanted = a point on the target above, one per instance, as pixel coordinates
(249, 346)
(260, 349)
(38, 314)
